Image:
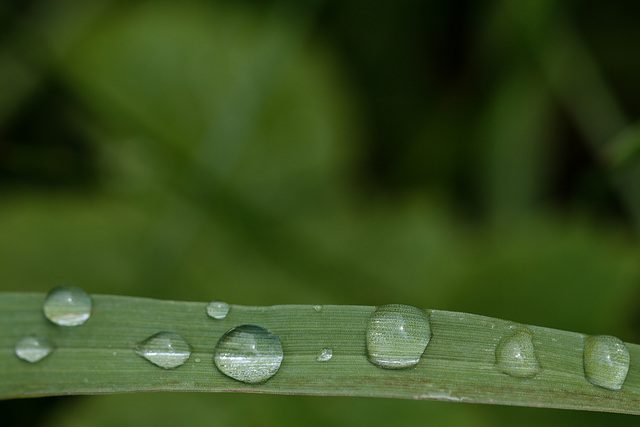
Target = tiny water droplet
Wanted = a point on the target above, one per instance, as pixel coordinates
(67, 306)
(248, 353)
(218, 309)
(516, 356)
(197, 360)
(165, 349)
(33, 348)
(325, 354)
(397, 335)
(606, 361)
(317, 308)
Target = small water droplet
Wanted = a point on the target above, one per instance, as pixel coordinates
(218, 309)
(317, 308)
(67, 306)
(165, 349)
(606, 361)
(516, 356)
(197, 360)
(397, 335)
(248, 353)
(33, 348)
(325, 354)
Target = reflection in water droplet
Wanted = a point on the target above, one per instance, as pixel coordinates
(218, 309)
(248, 353)
(33, 348)
(325, 354)
(317, 308)
(165, 349)
(397, 335)
(606, 361)
(67, 306)
(516, 356)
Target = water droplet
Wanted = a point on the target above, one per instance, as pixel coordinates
(325, 354)
(397, 335)
(34, 348)
(317, 308)
(67, 306)
(165, 349)
(218, 309)
(606, 361)
(248, 353)
(516, 356)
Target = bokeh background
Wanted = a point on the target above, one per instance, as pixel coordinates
(460, 155)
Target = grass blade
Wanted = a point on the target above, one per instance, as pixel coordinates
(458, 365)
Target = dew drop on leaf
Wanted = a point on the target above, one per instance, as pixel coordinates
(325, 354)
(34, 348)
(67, 306)
(167, 350)
(606, 361)
(516, 356)
(218, 309)
(248, 353)
(397, 335)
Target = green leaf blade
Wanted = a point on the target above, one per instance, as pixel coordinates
(458, 364)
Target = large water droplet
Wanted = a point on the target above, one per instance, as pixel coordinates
(516, 356)
(67, 306)
(397, 335)
(248, 353)
(33, 348)
(165, 349)
(606, 361)
(325, 354)
(218, 309)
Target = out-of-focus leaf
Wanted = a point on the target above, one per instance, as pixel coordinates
(230, 99)
(17, 82)
(514, 139)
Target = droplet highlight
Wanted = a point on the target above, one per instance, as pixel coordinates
(248, 353)
(33, 348)
(317, 308)
(397, 335)
(606, 361)
(516, 356)
(167, 350)
(218, 309)
(325, 354)
(67, 306)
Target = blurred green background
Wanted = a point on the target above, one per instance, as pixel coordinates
(466, 156)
